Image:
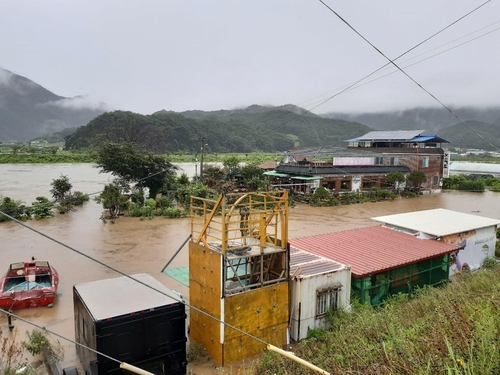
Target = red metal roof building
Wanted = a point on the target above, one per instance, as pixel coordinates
(383, 261)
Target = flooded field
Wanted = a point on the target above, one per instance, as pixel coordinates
(133, 246)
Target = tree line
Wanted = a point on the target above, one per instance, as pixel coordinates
(249, 131)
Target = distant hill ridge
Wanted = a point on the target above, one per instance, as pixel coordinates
(28, 110)
(482, 128)
(252, 129)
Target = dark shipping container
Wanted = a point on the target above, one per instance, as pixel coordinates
(130, 322)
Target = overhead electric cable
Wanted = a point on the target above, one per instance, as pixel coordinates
(422, 60)
(406, 74)
(414, 57)
(122, 364)
(44, 329)
(51, 204)
(128, 276)
(268, 345)
(383, 66)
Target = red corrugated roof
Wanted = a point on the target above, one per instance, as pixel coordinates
(372, 250)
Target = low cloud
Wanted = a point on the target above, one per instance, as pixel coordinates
(5, 77)
(78, 102)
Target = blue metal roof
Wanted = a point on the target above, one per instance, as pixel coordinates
(426, 138)
(398, 136)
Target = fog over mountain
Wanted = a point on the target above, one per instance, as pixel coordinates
(28, 110)
(430, 119)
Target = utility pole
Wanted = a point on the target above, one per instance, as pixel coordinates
(201, 156)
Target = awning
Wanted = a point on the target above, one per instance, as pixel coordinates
(276, 174)
(306, 177)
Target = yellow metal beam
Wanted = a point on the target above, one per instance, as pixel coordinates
(209, 219)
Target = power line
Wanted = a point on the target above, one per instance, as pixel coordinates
(382, 67)
(406, 74)
(52, 204)
(425, 59)
(134, 279)
(422, 60)
(43, 329)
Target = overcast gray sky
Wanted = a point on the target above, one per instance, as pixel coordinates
(145, 56)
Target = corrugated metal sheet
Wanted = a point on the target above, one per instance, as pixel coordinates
(372, 250)
(438, 222)
(311, 264)
(386, 135)
(426, 138)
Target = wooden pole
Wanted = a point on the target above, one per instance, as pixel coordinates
(296, 359)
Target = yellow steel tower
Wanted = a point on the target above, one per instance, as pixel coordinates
(239, 273)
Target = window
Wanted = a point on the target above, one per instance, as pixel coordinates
(425, 162)
(326, 299)
(379, 160)
(394, 161)
(345, 185)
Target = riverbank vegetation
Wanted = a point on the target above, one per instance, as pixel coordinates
(63, 199)
(448, 330)
(474, 183)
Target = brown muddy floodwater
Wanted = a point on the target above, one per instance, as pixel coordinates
(135, 246)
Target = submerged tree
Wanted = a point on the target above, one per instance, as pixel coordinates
(134, 165)
(395, 179)
(417, 178)
(64, 197)
(112, 200)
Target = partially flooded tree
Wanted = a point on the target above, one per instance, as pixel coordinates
(64, 197)
(417, 178)
(61, 192)
(134, 165)
(395, 179)
(113, 199)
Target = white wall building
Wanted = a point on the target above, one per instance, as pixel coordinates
(317, 284)
(477, 233)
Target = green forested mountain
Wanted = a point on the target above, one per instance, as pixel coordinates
(482, 123)
(473, 134)
(256, 128)
(28, 110)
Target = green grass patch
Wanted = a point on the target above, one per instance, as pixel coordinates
(449, 330)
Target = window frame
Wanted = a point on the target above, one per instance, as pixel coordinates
(424, 162)
(327, 299)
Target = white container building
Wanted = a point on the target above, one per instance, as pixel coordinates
(317, 285)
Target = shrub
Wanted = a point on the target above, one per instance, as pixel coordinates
(172, 212)
(141, 211)
(384, 194)
(79, 198)
(151, 203)
(42, 208)
(13, 208)
(163, 202)
(497, 249)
